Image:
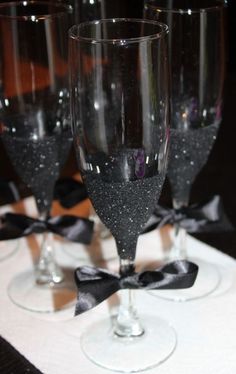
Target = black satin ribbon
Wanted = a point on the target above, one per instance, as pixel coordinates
(70, 192)
(208, 216)
(72, 228)
(96, 285)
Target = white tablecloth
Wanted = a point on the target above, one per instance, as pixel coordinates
(206, 328)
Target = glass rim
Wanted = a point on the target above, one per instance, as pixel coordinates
(187, 10)
(124, 41)
(64, 9)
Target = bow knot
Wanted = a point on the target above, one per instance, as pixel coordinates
(38, 227)
(129, 281)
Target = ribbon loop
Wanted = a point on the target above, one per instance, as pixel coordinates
(96, 285)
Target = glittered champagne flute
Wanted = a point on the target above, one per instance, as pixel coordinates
(102, 247)
(120, 105)
(196, 44)
(36, 129)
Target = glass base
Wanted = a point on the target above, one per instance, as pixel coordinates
(208, 279)
(129, 355)
(25, 293)
(8, 248)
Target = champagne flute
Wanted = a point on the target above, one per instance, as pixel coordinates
(197, 57)
(36, 128)
(103, 247)
(120, 108)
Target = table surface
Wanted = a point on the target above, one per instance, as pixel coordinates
(205, 328)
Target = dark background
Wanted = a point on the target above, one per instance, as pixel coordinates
(219, 174)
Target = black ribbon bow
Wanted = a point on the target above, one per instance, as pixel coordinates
(208, 216)
(96, 285)
(70, 192)
(73, 228)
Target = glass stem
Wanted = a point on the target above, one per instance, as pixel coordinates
(179, 248)
(127, 324)
(47, 270)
